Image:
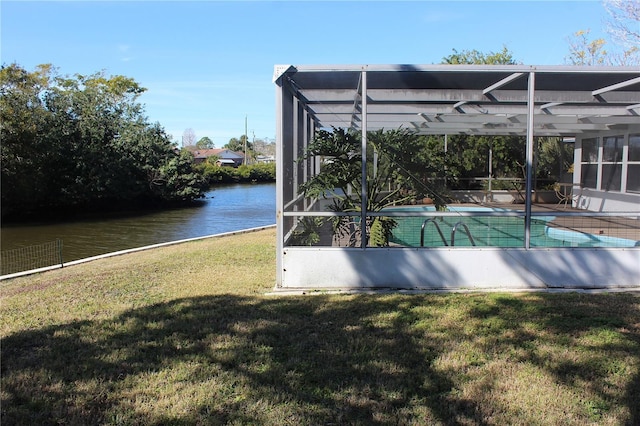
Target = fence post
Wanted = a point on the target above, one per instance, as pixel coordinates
(59, 244)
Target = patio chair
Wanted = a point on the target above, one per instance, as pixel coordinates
(564, 192)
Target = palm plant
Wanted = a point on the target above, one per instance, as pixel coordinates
(340, 181)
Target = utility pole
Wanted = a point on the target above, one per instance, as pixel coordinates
(245, 140)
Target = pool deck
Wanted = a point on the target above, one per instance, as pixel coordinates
(611, 226)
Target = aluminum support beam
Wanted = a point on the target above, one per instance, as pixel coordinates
(451, 96)
(616, 86)
(529, 159)
(344, 111)
(283, 99)
(502, 82)
(306, 170)
(363, 206)
(296, 138)
(357, 99)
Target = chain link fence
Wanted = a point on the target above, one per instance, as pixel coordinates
(31, 257)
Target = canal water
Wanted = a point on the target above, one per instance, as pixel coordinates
(226, 208)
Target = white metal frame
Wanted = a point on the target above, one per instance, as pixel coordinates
(521, 100)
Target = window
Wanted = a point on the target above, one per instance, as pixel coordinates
(589, 169)
(611, 177)
(633, 178)
(633, 164)
(612, 149)
(589, 178)
(612, 163)
(634, 147)
(590, 150)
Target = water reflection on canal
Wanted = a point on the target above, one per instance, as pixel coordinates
(226, 208)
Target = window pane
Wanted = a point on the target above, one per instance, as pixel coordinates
(590, 150)
(634, 147)
(589, 175)
(612, 149)
(611, 177)
(633, 178)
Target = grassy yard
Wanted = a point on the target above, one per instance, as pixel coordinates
(185, 335)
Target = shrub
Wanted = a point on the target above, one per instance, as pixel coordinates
(245, 173)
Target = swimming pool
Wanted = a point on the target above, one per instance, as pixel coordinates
(489, 231)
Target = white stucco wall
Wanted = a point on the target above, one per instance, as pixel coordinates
(460, 268)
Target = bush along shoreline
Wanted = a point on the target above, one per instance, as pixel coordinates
(211, 175)
(256, 173)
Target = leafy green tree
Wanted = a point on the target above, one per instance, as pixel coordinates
(474, 57)
(178, 181)
(554, 158)
(340, 178)
(90, 116)
(212, 159)
(417, 163)
(205, 143)
(467, 156)
(214, 174)
(24, 126)
(237, 144)
(82, 142)
(234, 144)
(263, 172)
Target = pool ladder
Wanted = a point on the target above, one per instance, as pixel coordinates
(453, 232)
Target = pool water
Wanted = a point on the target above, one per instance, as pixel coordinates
(492, 231)
(489, 231)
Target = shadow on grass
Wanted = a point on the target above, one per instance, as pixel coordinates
(600, 335)
(232, 359)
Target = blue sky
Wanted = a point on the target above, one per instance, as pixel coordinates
(209, 64)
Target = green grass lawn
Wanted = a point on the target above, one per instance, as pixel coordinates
(185, 335)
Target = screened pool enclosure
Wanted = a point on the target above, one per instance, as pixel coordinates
(457, 177)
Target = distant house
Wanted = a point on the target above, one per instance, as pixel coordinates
(226, 163)
(226, 157)
(265, 159)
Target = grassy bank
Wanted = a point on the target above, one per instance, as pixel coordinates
(185, 335)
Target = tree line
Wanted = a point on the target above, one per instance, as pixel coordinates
(83, 143)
